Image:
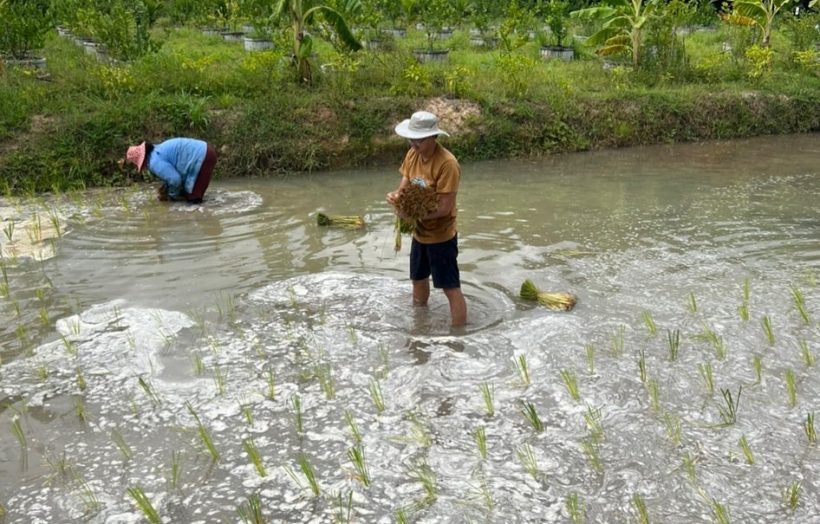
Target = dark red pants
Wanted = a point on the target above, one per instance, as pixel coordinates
(203, 179)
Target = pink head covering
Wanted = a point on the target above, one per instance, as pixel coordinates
(136, 156)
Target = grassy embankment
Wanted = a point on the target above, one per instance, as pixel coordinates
(66, 130)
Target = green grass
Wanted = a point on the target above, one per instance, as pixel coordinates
(805, 352)
(617, 341)
(674, 427)
(757, 364)
(531, 415)
(731, 403)
(422, 472)
(571, 383)
(480, 437)
(791, 496)
(376, 396)
(308, 472)
(17, 431)
(144, 504)
(175, 469)
(358, 460)
(653, 389)
(649, 321)
(705, 369)
(324, 374)
(720, 513)
(791, 388)
(593, 417)
(343, 508)
(575, 508)
(255, 456)
(523, 369)
(590, 354)
(642, 366)
(809, 429)
(149, 391)
(639, 504)
(768, 330)
(800, 304)
(592, 451)
(353, 427)
(673, 340)
(121, 444)
(270, 379)
(296, 410)
(68, 133)
(250, 511)
(526, 456)
(747, 450)
(204, 434)
(488, 394)
(692, 303)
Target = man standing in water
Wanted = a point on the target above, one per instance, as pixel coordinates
(435, 239)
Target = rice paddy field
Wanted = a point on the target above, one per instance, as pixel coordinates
(237, 362)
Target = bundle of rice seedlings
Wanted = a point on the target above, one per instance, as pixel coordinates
(402, 227)
(347, 222)
(555, 301)
(413, 201)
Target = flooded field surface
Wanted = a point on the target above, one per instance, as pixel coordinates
(235, 362)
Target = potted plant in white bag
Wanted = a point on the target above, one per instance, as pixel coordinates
(556, 17)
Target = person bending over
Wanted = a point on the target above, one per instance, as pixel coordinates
(185, 166)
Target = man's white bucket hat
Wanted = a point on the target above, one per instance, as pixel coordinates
(421, 125)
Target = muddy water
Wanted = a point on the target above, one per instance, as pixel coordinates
(131, 329)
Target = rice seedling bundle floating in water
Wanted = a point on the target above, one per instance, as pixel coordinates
(557, 301)
(346, 222)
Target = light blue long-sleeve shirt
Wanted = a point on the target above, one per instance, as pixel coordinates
(177, 162)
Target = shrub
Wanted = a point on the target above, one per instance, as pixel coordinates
(25, 24)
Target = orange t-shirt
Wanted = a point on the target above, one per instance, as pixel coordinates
(442, 173)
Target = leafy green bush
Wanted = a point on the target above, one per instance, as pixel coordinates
(25, 24)
(125, 29)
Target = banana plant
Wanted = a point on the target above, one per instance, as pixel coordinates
(762, 13)
(303, 14)
(622, 27)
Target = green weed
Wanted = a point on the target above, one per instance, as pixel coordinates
(571, 383)
(529, 412)
(376, 396)
(357, 458)
(747, 451)
(575, 508)
(791, 388)
(255, 456)
(650, 323)
(480, 437)
(705, 370)
(728, 411)
(488, 393)
(640, 508)
(250, 511)
(767, 329)
(526, 456)
(204, 435)
(144, 504)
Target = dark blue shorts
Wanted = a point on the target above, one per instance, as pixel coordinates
(438, 260)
